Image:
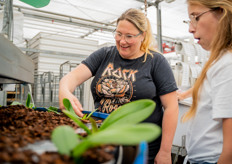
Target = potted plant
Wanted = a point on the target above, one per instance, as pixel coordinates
(121, 127)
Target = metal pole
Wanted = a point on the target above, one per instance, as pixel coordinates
(159, 26)
(8, 19)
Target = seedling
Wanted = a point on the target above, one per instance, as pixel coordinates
(16, 103)
(69, 108)
(32, 106)
(28, 102)
(87, 116)
(53, 109)
(122, 127)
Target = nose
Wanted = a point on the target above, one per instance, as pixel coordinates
(123, 39)
(192, 29)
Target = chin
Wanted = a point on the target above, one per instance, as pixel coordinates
(125, 56)
(205, 47)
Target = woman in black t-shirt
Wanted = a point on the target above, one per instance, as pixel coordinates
(129, 71)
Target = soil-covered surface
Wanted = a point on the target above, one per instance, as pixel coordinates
(20, 126)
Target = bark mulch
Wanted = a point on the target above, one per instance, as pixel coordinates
(20, 126)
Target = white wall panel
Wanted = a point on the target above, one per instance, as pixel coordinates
(56, 50)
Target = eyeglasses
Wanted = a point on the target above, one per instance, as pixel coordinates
(195, 18)
(128, 37)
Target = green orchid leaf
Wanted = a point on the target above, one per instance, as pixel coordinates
(65, 139)
(16, 103)
(28, 101)
(53, 109)
(31, 105)
(130, 113)
(36, 3)
(127, 134)
(77, 120)
(89, 115)
(82, 147)
(93, 124)
(68, 105)
(84, 117)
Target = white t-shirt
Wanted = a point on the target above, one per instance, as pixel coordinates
(204, 136)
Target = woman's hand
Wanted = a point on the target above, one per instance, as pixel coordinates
(185, 94)
(77, 107)
(69, 83)
(163, 158)
(180, 95)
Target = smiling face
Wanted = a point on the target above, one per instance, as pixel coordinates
(206, 26)
(129, 50)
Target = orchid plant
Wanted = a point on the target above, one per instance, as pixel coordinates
(28, 102)
(122, 127)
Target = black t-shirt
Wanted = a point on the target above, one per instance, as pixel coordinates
(118, 81)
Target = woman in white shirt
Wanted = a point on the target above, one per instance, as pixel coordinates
(210, 132)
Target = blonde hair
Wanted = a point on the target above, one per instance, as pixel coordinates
(141, 22)
(221, 42)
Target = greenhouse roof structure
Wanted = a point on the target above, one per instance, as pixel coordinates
(95, 19)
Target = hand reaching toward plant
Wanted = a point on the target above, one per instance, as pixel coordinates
(69, 83)
(77, 107)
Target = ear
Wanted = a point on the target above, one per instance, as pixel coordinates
(143, 36)
(220, 12)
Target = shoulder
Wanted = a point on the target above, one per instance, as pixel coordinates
(157, 58)
(104, 52)
(106, 49)
(222, 66)
(109, 49)
(224, 61)
(157, 54)
(226, 58)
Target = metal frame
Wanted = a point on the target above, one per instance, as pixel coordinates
(15, 67)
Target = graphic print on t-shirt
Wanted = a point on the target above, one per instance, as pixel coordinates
(115, 87)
